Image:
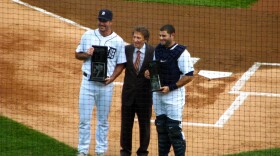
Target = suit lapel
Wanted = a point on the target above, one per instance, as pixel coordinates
(131, 53)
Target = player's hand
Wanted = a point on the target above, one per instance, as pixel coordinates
(108, 80)
(165, 89)
(147, 74)
(90, 51)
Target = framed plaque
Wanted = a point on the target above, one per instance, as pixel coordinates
(99, 63)
(154, 69)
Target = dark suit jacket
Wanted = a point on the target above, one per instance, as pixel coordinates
(136, 88)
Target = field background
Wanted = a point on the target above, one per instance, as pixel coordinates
(40, 78)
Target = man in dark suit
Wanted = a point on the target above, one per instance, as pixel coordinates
(136, 94)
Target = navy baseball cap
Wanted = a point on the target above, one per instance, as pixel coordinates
(105, 14)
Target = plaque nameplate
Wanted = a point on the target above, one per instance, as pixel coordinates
(99, 63)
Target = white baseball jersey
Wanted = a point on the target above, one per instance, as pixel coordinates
(115, 44)
(95, 93)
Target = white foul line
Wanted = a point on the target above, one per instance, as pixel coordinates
(50, 14)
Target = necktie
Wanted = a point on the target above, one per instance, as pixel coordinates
(137, 61)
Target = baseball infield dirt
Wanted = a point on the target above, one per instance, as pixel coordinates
(40, 78)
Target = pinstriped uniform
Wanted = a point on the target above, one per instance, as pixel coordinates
(95, 93)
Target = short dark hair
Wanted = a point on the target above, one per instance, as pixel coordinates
(143, 30)
(169, 28)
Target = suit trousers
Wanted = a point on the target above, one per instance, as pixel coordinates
(143, 113)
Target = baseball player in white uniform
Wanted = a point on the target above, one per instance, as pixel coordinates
(176, 70)
(97, 93)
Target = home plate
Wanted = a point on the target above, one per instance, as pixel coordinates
(214, 74)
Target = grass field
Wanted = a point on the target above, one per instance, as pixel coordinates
(266, 152)
(17, 139)
(210, 3)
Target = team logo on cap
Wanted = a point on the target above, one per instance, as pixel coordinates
(103, 13)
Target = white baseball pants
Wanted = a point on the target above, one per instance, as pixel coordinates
(94, 93)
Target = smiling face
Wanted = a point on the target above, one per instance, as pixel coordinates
(166, 39)
(138, 40)
(104, 27)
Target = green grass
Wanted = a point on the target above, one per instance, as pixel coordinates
(210, 3)
(19, 140)
(266, 152)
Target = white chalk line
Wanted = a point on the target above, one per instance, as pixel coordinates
(241, 98)
(230, 111)
(243, 95)
(51, 14)
(256, 93)
(245, 77)
(235, 90)
(269, 64)
(192, 124)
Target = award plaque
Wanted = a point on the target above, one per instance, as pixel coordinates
(99, 64)
(154, 69)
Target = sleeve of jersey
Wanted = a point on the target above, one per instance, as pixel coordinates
(82, 44)
(121, 54)
(185, 63)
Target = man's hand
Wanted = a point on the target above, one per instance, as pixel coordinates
(118, 70)
(164, 89)
(84, 55)
(108, 80)
(90, 51)
(147, 74)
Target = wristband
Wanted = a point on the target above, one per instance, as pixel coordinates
(172, 87)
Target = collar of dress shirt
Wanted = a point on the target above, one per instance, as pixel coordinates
(142, 50)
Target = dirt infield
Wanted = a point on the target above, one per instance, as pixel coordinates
(40, 77)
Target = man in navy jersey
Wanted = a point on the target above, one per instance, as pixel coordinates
(176, 70)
